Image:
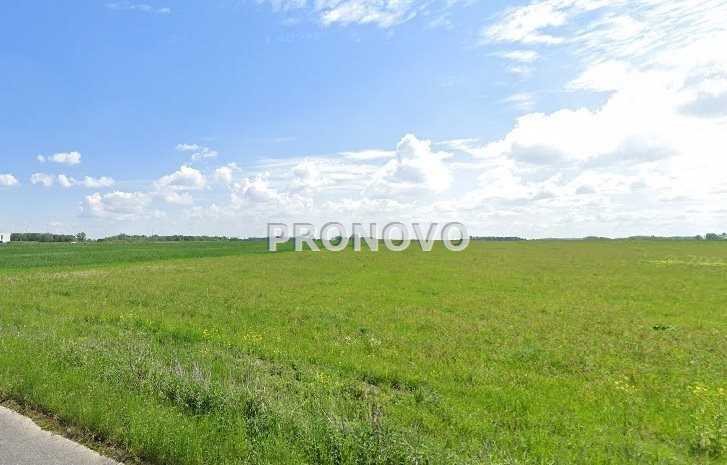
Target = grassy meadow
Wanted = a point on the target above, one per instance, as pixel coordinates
(544, 352)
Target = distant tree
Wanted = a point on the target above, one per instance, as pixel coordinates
(157, 238)
(80, 237)
(42, 237)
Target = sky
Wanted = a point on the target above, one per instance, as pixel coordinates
(542, 118)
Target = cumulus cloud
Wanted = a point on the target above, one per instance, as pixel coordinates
(121, 206)
(257, 189)
(581, 136)
(181, 198)
(259, 192)
(322, 174)
(415, 168)
(64, 181)
(45, 180)
(226, 174)
(66, 158)
(8, 180)
(663, 88)
(103, 181)
(184, 179)
(173, 188)
(48, 180)
(307, 176)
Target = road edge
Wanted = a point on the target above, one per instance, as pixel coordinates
(50, 422)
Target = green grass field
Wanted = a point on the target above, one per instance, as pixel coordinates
(552, 352)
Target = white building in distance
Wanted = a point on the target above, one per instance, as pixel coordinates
(4, 237)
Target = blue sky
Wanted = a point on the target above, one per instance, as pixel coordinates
(540, 118)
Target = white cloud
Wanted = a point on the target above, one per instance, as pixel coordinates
(383, 13)
(120, 206)
(257, 189)
(600, 30)
(322, 174)
(526, 24)
(415, 168)
(258, 192)
(652, 57)
(46, 180)
(521, 100)
(626, 129)
(204, 155)
(66, 158)
(368, 154)
(604, 77)
(522, 56)
(64, 181)
(460, 145)
(103, 181)
(286, 5)
(8, 180)
(181, 198)
(523, 71)
(522, 62)
(307, 177)
(226, 174)
(365, 206)
(200, 152)
(645, 32)
(189, 147)
(142, 7)
(441, 22)
(173, 188)
(186, 178)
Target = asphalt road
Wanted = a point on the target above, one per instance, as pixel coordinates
(22, 442)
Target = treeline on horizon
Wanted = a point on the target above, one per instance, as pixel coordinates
(706, 237)
(81, 237)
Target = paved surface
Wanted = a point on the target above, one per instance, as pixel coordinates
(22, 442)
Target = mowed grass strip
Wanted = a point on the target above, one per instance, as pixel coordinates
(602, 352)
